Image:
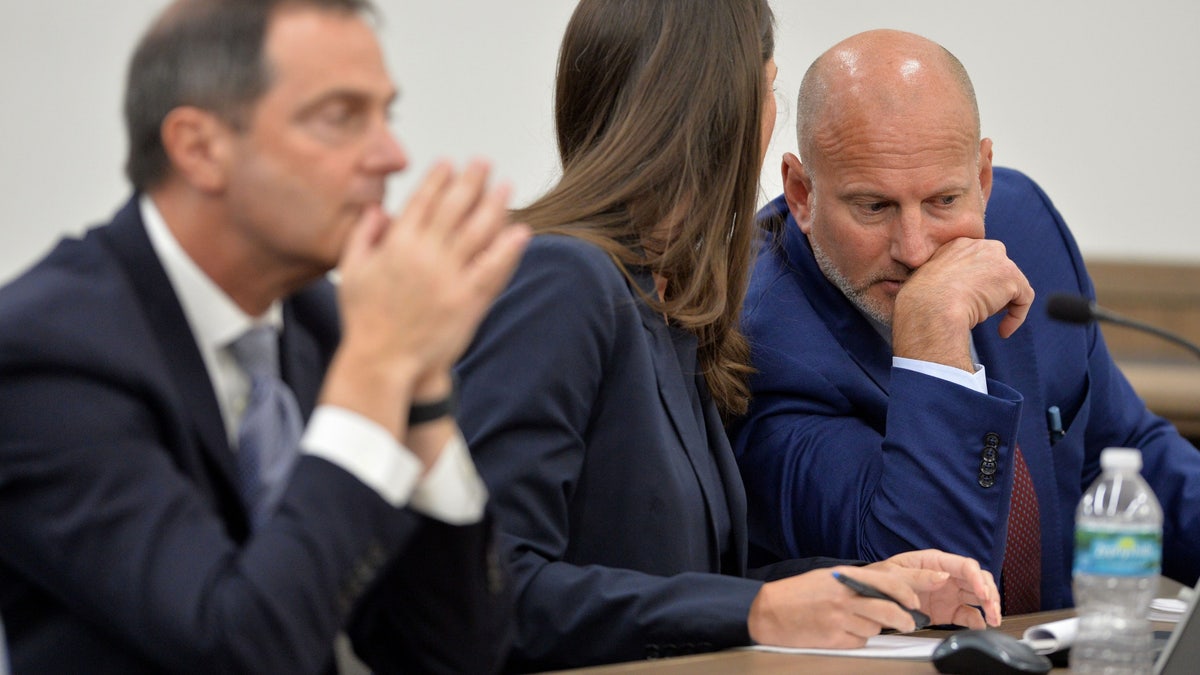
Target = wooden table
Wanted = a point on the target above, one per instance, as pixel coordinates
(756, 663)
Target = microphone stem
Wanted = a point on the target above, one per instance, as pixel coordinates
(1130, 323)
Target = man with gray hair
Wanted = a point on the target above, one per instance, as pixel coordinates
(211, 459)
(905, 370)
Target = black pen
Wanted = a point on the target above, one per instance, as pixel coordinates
(1054, 424)
(921, 619)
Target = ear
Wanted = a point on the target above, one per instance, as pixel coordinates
(797, 190)
(199, 145)
(985, 168)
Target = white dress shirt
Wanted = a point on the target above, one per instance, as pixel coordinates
(451, 491)
(976, 381)
(4, 667)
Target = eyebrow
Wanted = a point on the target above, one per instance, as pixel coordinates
(868, 195)
(357, 96)
(872, 195)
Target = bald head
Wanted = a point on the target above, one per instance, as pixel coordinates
(881, 79)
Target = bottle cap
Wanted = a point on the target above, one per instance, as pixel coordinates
(1128, 459)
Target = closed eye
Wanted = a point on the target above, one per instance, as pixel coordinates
(341, 113)
(339, 116)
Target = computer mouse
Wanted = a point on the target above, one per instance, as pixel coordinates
(976, 652)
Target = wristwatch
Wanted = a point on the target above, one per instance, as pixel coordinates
(420, 413)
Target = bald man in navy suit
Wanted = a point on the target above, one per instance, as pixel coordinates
(905, 368)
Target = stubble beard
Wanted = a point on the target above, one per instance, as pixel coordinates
(856, 295)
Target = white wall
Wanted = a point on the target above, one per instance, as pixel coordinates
(1096, 100)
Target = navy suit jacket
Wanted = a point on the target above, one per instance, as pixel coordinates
(844, 455)
(620, 508)
(125, 546)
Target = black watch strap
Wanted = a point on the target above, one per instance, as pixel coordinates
(420, 413)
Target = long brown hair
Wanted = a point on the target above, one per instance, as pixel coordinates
(659, 115)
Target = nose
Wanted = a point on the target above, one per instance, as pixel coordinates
(385, 153)
(912, 239)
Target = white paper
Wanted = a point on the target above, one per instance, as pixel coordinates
(1169, 610)
(878, 647)
(1046, 638)
(1051, 637)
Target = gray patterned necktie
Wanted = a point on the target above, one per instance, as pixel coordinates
(269, 433)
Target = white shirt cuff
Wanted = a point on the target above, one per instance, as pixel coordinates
(451, 492)
(976, 381)
(365, 449)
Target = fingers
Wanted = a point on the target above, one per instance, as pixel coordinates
(456, 204)
(969, 280)
(991, 602)
(494, 266)
(966, 611)
(414, 288)
(869, 617)
(366, 233)
(908, 579)
(972, 586)
(901, 584)
(1018, 308)
(957, 566)
(977, 582)
(968, 617)
(447, 202)
(424, 199)
(482, 223)
(978, 587)
(456, 210)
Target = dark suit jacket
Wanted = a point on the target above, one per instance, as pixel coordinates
(125, 547)
(620, 507)
(844, 455)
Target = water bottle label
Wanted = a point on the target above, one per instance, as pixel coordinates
(1121, 554)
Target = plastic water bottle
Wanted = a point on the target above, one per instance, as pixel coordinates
(1118, 556)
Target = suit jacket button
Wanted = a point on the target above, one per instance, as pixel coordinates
(987, 468)
(991, 439)
(986, 481)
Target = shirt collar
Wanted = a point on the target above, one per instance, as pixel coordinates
(215, 318)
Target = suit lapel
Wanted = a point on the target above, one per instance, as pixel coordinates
(672, 383)
(734, 490)
(854, 332)
(129, 243)
(673, 347)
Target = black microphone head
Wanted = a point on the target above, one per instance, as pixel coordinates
(1070, 308)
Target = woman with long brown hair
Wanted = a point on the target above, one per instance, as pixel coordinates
(593, 394)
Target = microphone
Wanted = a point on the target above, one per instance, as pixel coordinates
(1078, 309)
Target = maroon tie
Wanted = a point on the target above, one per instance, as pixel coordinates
(1023, 552)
